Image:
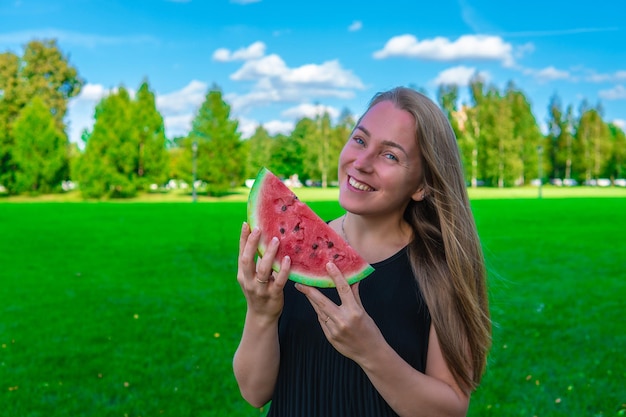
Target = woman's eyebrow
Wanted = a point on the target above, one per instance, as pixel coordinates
(396, 145)
(385, 142)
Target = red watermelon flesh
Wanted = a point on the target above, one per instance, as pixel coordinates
(303, 235)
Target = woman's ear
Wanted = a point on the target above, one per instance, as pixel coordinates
(420, 194)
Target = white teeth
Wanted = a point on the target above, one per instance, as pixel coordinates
(358, 185)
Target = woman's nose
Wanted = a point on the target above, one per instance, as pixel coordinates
(363, 161)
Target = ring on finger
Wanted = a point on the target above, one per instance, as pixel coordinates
(326, 320)
(261, 281)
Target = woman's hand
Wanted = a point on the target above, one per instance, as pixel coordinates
(262, 287)
(257, 359)
(347, 327)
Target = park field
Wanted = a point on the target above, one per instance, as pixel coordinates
(133, 309)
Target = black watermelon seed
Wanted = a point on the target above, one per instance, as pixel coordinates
(282, 230)
(330, 244)
(314, 246)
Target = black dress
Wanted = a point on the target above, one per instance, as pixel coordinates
(316, 380)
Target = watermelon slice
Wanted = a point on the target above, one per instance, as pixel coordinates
(304, 236)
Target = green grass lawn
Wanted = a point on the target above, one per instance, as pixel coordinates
(133, 309)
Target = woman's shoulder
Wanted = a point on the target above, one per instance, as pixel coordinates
(401, 257)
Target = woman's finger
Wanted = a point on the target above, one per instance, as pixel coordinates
(243, 237)
(283, 274)
(264, 264)
(343, 288)
(323, 306)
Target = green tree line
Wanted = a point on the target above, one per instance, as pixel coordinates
(127, 151)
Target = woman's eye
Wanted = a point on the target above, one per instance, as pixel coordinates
(359, 141)
(390, 156)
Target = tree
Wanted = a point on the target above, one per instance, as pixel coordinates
(287, 157)
(526, 135)
(304, 133)
(259, 150)
(472, 139)
(339, 136)
(10, 106)
(107, 168)
(47, 74)
(41, 150)
(320, 147)
(592, 142)
(448, 96)
(616, 168)
(559, 141)
(221, 161)
(152, 156)
(44, 72)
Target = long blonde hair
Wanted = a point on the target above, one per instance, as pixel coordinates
(445, 253)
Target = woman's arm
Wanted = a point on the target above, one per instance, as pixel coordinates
(354, 334)
(410, 392)
(257, 358)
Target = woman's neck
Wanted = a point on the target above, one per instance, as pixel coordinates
(375, 239)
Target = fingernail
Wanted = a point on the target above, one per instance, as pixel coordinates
(274, 240)
(330, 266)
(256, 231)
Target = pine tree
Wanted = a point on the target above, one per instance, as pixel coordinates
(43, 71)
(41, 150)
(152, 158)
(221, 161)
(259, 150)
(107, 168)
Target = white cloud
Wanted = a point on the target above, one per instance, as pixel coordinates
(273, 69)
(92, 92)
(274, 127)
(482, 47)
(247, 127)
(329, 73)
(550, 74)
(614, 77)
(189, 98)
(268, 66)
(276, 82)
(178, 125)
(244, 2)
(459, 76)
(616, 93)
(179, 107)
(621, 123)
(310, 111)
(254, 51)
(80, 110)
(355, 26)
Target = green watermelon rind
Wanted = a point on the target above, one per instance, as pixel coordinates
(321, 281)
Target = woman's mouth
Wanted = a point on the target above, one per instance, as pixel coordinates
(359, 185)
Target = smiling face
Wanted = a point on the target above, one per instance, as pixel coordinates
(380, 167)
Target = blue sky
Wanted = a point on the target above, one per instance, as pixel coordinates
(277, 61)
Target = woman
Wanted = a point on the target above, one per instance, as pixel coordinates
(412, 338)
